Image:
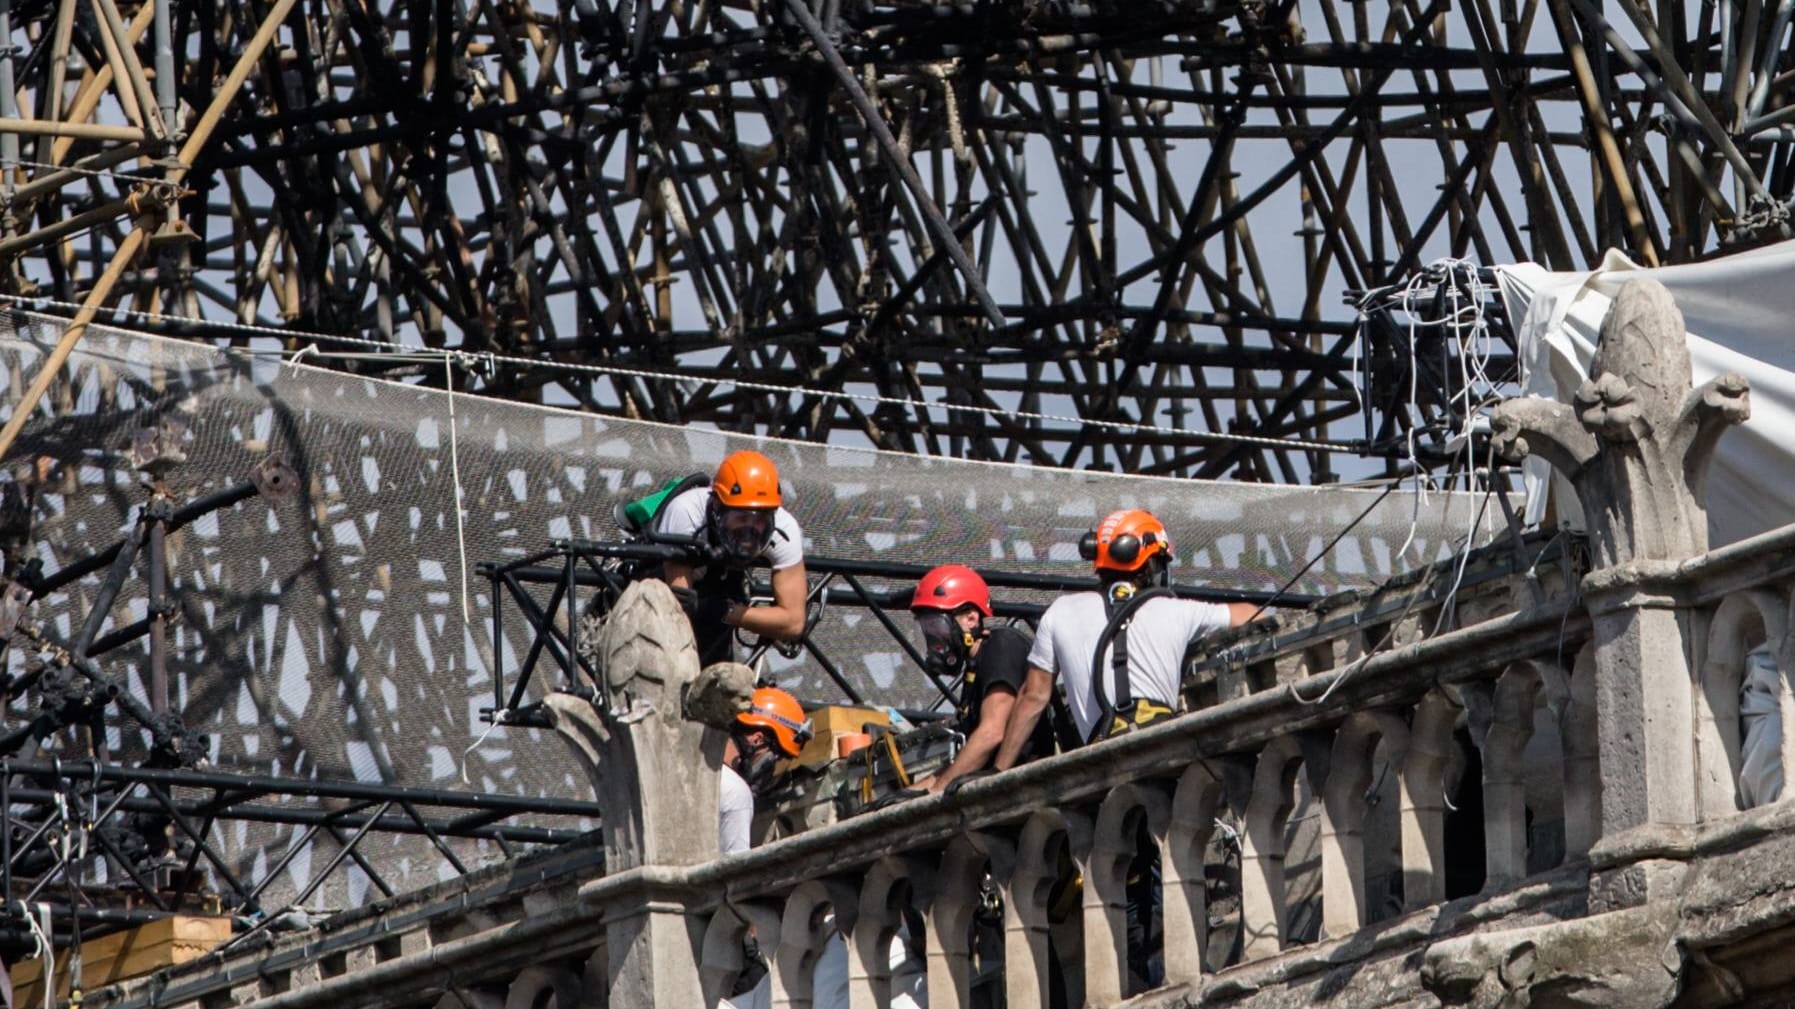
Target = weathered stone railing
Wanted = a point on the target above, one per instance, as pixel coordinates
(1238, 760)
(1603, 792)
(535, 934)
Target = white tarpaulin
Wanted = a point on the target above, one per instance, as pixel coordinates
(1740, 312)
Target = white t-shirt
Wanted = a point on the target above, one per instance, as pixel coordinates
(909, 973)
(735, 812)
(684, 516)
(735, 818)
(1158, 636)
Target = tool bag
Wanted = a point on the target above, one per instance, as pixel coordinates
(895, 759)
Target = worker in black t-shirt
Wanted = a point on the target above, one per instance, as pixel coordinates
(951, 605)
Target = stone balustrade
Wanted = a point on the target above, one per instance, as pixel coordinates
(1375, 737)
(1367, 748)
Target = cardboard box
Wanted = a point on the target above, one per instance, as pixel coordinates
(828, 724)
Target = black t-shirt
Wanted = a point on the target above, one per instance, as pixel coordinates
(1003, 661)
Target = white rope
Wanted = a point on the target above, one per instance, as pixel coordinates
(303, 352)
(455, 474)
(395, 352)
(1229, 834)
(476, 744)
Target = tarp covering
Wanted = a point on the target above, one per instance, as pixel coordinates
(1740, 313)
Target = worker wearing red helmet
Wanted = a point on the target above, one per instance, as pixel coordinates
(951, 606)
(1142, 631)
(740, 520)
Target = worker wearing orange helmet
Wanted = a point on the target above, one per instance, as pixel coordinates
(1119, 650)
(738, 521)
(951, 604)
(774, 728)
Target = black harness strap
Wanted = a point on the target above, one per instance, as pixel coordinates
(1115, 631)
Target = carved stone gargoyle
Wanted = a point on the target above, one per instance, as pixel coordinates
(1636, 442)
(651, 756)
(1625, 958)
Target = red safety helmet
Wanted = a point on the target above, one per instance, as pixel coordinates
(775, 710)
(949, 587)
(1126, 541)
(747, 479)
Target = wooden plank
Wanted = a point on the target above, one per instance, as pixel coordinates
(125, 954)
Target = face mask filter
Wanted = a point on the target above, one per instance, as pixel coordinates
(945, 645)
(743, 533)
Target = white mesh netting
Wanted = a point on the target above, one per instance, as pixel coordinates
(324, 637)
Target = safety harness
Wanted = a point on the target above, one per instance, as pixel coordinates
(1121, 710)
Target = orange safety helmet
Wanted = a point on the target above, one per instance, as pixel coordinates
(1126, 541)
(746, 479)
(780, 712)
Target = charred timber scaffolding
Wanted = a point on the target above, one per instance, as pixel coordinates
(826, 198)
(1662, 887)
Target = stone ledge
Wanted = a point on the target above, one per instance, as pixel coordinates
(1685, 841)
(1696, 581)
(1551, 897)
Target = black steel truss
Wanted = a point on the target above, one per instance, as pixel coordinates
(1041, 210)
(153, 829)
(552, 590)
(114, 837)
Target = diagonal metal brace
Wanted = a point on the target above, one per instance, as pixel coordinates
(888, 145)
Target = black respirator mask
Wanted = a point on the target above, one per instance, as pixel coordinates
(946, 647)
(754, 762)
(741, 535)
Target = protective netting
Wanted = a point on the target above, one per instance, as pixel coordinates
(325, 636)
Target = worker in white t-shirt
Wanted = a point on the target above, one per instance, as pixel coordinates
(773, 727)
(1143, 630)
(737, 522)
(1120, 652)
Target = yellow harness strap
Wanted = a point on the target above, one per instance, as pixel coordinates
(1143, 712)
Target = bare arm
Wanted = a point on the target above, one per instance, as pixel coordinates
(994, 715)
(1240, 613)
(677, 574)
(785, 618)
(1037, 690)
